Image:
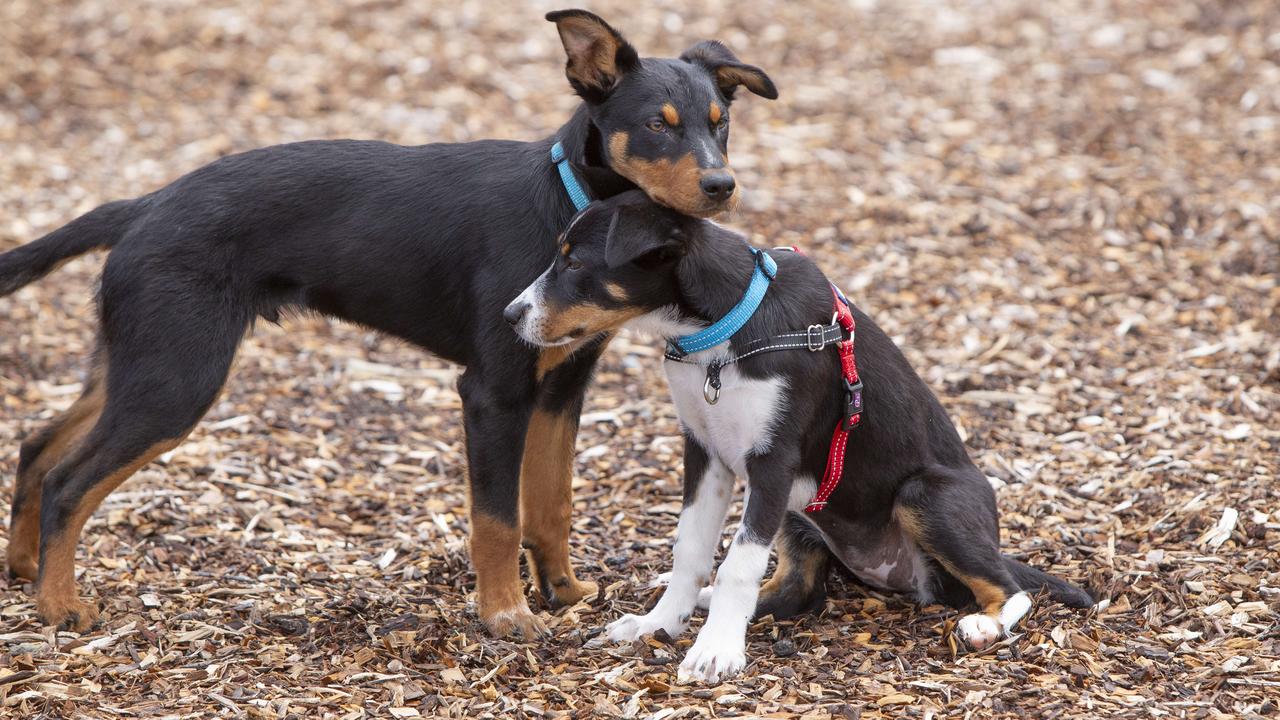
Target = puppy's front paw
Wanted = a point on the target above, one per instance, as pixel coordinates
(629, 628)
(978, 631)
(710, 661)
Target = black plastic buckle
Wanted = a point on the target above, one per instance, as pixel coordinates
(760, 256)
(852, 404)
(816, 338)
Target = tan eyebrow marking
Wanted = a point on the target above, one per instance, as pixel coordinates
(670, 115)
(715, 113)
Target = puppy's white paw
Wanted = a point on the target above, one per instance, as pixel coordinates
(629, 628)
(978, 631)
(710, 661)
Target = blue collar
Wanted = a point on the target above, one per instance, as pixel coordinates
(571, 186)
(724, 328)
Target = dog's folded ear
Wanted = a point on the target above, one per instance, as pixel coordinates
(728, 71)
(646, 234)
(598, 54)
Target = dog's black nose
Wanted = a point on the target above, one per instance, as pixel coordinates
(515, 311)
(718, 185)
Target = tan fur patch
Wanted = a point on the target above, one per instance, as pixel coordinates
(592, 51)
(56, 596)
(495, 553)
(990, 596)
(674, 184)
(586, 319)
(564, 249)
(70, 428)
(670, 114)
(616, 292)
(714, 115)
(546, 503)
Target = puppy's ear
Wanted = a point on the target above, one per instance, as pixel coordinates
(648, 234)
(598, 54)
(728, 71)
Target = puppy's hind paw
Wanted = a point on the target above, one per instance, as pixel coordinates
(978, 631)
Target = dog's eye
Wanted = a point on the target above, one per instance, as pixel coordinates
(572, 264)
(724, 123)
(656, 125)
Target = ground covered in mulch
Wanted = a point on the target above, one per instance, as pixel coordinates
(1067, 214)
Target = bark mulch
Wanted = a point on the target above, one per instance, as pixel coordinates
(1066, 213)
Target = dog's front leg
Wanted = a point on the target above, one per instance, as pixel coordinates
(720, 650)
(496, 413)
(707, 489)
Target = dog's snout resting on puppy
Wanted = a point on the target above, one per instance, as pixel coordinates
(425, 243)
(910, 512)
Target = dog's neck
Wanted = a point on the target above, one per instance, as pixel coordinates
(584, 148)
(711, 278)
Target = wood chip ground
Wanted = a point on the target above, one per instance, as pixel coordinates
(1067, 214)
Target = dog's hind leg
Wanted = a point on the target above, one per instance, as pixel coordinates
(546, 472)
(39, 454)
(799, 582)
(951, 514)
(167, 351)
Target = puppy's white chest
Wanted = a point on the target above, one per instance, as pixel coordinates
(742, 420)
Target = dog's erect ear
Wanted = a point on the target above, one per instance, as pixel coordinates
(598, 54)
(647, 234)
(729, 72)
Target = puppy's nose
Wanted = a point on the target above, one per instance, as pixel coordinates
(717, 185)
(515, 312)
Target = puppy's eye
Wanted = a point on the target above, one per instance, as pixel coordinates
(724, 123)
(656, 125)
(572, 264)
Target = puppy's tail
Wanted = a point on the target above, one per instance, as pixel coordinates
(1033, 580)
(101, 227)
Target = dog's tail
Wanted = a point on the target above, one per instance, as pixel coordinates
(101, 227)
(1033, 580)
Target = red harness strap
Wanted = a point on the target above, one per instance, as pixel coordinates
(852, 408)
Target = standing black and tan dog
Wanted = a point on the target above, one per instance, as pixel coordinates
(911, 513)
(425, 243)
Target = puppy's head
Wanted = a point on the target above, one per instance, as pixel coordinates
(615, 262)
(664, 122)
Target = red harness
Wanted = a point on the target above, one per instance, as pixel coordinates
(852, 407)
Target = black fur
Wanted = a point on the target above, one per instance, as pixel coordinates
(425, 243)
(905, 460)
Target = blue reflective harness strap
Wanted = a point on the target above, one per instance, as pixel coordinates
(724, 328)
(571, 185)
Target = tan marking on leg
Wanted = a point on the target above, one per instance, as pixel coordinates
(546, 506)
(802, 569)
(495, 552)
(989, 596)
(57, 601)
(68, 429)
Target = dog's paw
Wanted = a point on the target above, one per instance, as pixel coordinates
(67, 613)
(518, 622)
(711, 661)
(629, 628)
(978, 631)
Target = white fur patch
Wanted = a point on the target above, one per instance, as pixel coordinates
(720, 650)
(979, 630)
(697, 532)
(739, 424)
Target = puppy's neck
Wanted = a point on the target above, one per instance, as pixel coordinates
(584, 149)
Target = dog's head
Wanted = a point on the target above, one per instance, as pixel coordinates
(616, 262)
(664, 123)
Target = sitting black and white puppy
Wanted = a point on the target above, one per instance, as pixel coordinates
(908, 511)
